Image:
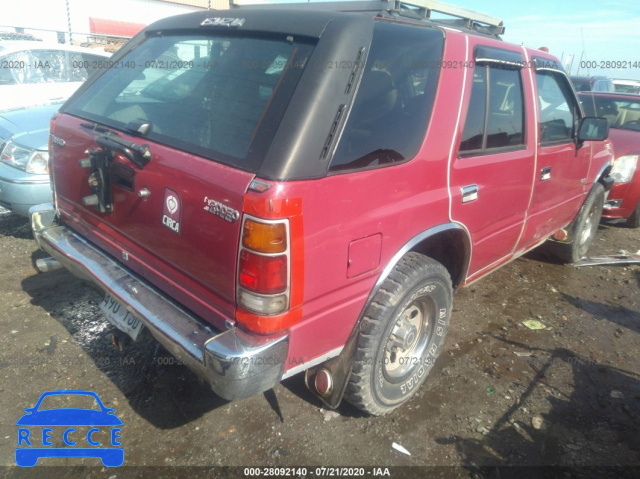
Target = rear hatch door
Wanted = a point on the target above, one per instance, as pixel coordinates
(153, 157)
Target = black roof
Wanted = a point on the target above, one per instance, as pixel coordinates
(308, 23)
(308, 19)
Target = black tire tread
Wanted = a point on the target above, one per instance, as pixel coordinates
(372, 326)
(569, 252)
(634, 220)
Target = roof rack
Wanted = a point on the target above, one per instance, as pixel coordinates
(470, 17)
(414, 8)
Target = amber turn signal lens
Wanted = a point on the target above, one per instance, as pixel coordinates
(264, 237)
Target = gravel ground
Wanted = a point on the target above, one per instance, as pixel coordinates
(500, 394)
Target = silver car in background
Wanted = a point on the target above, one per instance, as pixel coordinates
(24, 157)
(36, 73)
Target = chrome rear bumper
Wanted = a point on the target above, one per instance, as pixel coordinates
(236, 364)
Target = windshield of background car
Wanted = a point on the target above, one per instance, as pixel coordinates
(623, 113)
(390, 114)
(219, 97)
(47, 66)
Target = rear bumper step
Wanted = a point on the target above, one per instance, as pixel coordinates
(235, 363)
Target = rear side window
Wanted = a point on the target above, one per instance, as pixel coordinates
(218, 97)
(391, 111)
(495, 118)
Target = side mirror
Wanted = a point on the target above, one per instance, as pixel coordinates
(593, 129)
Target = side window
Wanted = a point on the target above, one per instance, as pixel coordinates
(391, 111)
(83, 64)
(495, 118)
(17, 69)
(50, 66)
(558, 108)
(473, 134)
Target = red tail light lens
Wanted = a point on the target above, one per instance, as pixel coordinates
(263, 266)
(263, 274)
(270, 274)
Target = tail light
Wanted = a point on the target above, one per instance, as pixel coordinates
(270, 265)
(263, 266)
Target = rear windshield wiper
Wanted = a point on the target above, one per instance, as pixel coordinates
(139, 155)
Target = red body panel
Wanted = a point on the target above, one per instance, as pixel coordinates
(501, 178)
(198, 262)
(387, 202)
(625, 142)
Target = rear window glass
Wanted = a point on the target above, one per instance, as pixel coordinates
(390, 114)
(218, 97)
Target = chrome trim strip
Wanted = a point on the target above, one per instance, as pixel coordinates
(409, 245)
(484, 271)
(314, 362)
(287, 253)
(25, 182)
(235, 363)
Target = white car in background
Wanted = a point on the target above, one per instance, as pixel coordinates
(627, 86)
(36, 73)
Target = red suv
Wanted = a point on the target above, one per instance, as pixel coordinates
(622, 110)
(272, 190)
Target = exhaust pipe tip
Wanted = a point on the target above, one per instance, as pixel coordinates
(47, 264)
(561, 235)
(323, 382)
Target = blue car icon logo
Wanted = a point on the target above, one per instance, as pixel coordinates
(69, 432)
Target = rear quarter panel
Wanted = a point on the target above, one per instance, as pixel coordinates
(396, 202)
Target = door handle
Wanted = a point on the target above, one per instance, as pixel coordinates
(545, 173)
(469, 193)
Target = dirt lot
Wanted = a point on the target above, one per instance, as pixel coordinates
(501, 394)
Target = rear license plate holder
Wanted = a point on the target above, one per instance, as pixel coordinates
(120, 317)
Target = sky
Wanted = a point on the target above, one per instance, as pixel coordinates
(597, 34)
(596, 31)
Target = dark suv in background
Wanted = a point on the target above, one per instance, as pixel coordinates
(592, 83)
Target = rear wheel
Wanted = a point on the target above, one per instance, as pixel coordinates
(634, 220)
(583, 228)
(401, 335)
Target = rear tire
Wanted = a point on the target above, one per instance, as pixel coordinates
(401, 335)
(583, 229)
(634, 220)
